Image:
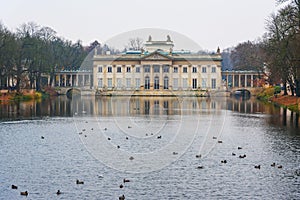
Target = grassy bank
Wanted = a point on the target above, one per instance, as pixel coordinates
(274, 95)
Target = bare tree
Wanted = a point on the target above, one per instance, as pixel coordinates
(135, 43)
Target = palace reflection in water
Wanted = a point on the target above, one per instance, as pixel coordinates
(129, 106)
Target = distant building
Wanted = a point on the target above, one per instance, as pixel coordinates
(157, 68)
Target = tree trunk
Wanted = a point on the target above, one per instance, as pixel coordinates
(297, 81)
(284, 89)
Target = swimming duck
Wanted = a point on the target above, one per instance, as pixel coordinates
(220, 141)
(198, 156)
(126, 180)
(24, 193)
(279, 166)
(214, 138)
(273, 165)
(257, 166)
(131, 158)
(239, 148)
(224, 161)
(58, 192)
(233, 154)
(159, 137)
(121, 186)
(79, 182)
(14, 187)
(122, 197)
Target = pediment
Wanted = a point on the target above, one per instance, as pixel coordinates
(157, 56)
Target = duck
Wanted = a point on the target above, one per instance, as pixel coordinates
(118, 147)
(131, 158)
(109, 138)
(220, 141)
(126, 180)
(279, 166)
(105, 129)
(273, 164)
(198, 156)
(14, 187)
(159, 137)
(242, 156)
(257, 166)
(121, 186)
(200, 167)
(79, 182)
(129, 127)
(233, 154)
(126, 138)
(224, 161)
(92, 129)
(42, 137)
(80, 133)
(175, 153)
(214, 138)
(58, 192)
(83, 129)
(239, 148)
(122, 197)
(24, 193)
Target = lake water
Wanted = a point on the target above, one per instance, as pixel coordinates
(155, 143)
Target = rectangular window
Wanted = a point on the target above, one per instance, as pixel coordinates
(119, 83)
(137, 83)
(156, 68)
(100, 82)
(128, 82)
(109, 82)
(109, 69)
(184, 83)
(100, 69)
(213, 83)
(203, 69)
(137, 69)
(175, 69)
(146, 68)
(175, 83)
(166, 68)
(194, 83)
(194, 69)
(184, 69)
(204, 82)
(213, 70)
(119, 69)
(128, 69)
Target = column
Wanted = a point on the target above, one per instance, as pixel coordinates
(142, 77)
(83, 80)
(114, 72)
(123, 76)
(245, 80)
(71, 80)
(189, 76)
(151, 77)
(227, 80)
(180, 76)
(65, 80)
(76, 80)
(251, 80)
(233, 80)
(161, 78)
(239, 83)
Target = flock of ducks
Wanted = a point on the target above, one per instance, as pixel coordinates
(240, 156)
(79, 182)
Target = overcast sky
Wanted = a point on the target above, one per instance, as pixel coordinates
(210, 23)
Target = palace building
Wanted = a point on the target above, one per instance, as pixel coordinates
(157, 69)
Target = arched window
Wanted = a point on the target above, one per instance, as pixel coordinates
(147, 83)
(156, 83)
(166, 82)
